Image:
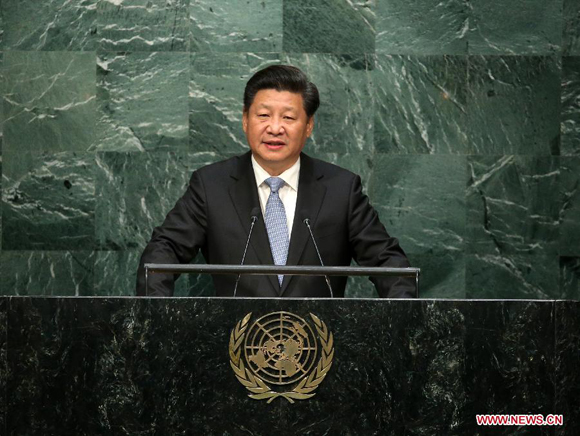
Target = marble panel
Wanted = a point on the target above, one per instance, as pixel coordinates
(511, 205)
(142, 101)
(216, 90)
(143, 25)
(567, 360)
(67, 273)
(509, 363)
(233, 26)
(422, 28)
(520, 27)
(570, 206)
(421, 201)
(3, 363)
(136, 190)
(570, 116)
(420, 104)
(442, 274)
(54, 25)
(101, 379)
(49, 101)
(329, 26)
(512, 276)
(571, 33)
(48, 201)
(514, 105)
(116, 275)
(570, 278)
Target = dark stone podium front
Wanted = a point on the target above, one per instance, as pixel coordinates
(128, 366)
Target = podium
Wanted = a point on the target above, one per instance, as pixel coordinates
(162, 366)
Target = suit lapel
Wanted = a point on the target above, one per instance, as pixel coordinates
(310, 196)
(244, 195)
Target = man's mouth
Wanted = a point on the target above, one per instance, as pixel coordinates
(274, 144)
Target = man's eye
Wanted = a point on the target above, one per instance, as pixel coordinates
(262, 115)
(288, 118)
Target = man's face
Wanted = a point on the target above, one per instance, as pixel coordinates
(277, 128)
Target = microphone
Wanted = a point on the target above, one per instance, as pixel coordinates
(254, 216)
(307, 222)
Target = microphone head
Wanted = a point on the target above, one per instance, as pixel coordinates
(255, 213)
(304, 214)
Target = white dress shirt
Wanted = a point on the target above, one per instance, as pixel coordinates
(288, 193)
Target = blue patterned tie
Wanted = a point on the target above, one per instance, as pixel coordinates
(276, 224)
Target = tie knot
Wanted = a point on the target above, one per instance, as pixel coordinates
(275, 183)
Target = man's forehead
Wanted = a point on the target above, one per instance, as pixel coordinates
(270, 98)
(268, 105)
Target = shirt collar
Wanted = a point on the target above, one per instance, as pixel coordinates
(290, 176)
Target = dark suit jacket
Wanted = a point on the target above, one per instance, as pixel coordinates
(214, 215)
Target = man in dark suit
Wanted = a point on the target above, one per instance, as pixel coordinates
(283, 187)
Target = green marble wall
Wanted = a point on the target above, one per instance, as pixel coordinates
(463, 119)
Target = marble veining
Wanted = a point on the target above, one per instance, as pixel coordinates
(44, 195)
(519, 27)
(512, 204)
(422, 28)
(570, 207)
(528, 276)
(142, 101)
(55, 25)
(329, 26)
(411, 192)
(570, 116)
(62, 273)
(49, 101)
(571, 31)
(234, 26)
(3, 363)
(420, 104)
(570, 277)
(567, 328)
(136, 25)
(514, 105)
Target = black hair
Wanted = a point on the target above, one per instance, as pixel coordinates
(283, 78)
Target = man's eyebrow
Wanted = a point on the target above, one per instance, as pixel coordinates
(267, 106)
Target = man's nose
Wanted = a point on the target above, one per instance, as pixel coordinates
(275, 127)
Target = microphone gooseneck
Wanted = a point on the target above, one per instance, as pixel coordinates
(254, 217)
(307, 222)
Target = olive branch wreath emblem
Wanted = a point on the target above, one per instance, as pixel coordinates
(259, 389)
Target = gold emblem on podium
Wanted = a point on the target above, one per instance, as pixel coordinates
(280, 355)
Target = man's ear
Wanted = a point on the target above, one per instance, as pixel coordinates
(245, 121)
(310, 126)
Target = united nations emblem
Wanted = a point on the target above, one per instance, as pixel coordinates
(281, 349)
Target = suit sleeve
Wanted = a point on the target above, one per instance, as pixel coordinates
(177, 240)
(373, 246)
